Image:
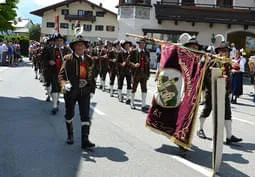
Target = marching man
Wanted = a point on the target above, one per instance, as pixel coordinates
(54, 57)
(140, 62)
(77, 80)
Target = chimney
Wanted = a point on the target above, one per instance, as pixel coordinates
(100, 4)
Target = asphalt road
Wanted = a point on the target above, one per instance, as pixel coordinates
(33, 141)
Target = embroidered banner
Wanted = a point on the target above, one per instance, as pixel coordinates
(175, 103)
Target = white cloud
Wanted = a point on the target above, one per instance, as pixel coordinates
(108, 4)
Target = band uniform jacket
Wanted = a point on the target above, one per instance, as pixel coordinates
(51, 55)
(112, 54)
(136, 57)
(70, 71)
(123, 58)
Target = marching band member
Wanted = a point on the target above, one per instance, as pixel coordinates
(77, 80)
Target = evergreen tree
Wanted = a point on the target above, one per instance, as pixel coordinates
(7, 14)
(35, 32)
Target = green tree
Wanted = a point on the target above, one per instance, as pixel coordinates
(35, 32)
(7, 14)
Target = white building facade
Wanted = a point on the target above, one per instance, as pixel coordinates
(95, 20)
(167, 19)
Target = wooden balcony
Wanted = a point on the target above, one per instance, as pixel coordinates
(81, 18)
(205, 13)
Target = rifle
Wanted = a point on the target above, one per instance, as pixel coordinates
(154, 40)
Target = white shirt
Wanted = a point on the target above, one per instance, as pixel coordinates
(242, 64)
(4, 47)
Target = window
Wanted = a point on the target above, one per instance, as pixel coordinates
(110, 28)
(188, 2)
(65, 12)
(87, 27)
(73, 26)
(64, 25)
(80, 12)
(100, 14)
(88, 13)
(225, 3)
(99, 27)
(50, 24)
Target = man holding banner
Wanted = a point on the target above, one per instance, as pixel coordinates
(222, 51)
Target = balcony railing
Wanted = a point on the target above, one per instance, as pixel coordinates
(205, 13)
(215, 6)
(135, 3)
(79, 17)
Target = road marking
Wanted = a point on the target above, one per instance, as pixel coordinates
(245, 121)
(205, 171)
(97, 110)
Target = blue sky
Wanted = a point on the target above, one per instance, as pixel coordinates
(26, 6)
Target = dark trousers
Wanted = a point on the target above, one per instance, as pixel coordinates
(208, 105)
(103, 73)
(55, 86)
(142, 79)
(121, 78)
(84, 105)
(113, 75)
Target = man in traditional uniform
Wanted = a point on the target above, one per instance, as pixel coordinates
(50, 44)
(96, 54)
(222, 51)
(113, 67)
(104, 63)
(140, 62)
(54, 58)
(77, 80)
(124, 70)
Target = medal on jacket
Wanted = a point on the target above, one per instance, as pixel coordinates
(83, 74)
(58, 59)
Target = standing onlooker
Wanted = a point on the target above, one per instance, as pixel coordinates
(236, 77)
(232, 50)
(1, 51)
(5, 53)
(10, 53)
(252, 73)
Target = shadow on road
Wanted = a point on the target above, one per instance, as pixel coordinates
(204, 158)
(33, 140)
(111, 153)
(245, 147)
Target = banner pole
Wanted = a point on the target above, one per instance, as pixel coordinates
(218, 113)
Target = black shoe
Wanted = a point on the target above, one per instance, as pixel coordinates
(48, 99)
(69, 140)
(128, 101)
(233, 139)
(54, 111)
(132, 106)
(36, 77)
(201, 134)
(121, 99)
(87, 144)
(144, 109)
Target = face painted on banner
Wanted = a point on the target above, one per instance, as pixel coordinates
(170, 89)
